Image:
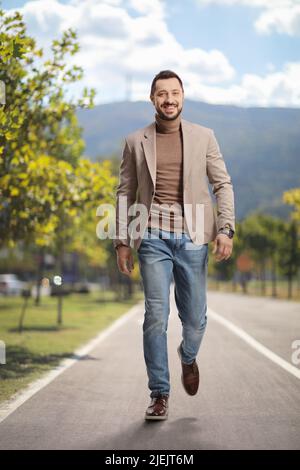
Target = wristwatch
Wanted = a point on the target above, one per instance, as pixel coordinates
(227, 230)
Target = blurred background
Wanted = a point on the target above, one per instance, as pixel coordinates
(77, 78)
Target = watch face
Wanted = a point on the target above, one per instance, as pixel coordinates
(228, 232)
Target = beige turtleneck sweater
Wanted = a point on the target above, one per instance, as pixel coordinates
(169, 177)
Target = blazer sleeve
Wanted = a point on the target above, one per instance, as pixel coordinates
(221, 183)
(125, 195)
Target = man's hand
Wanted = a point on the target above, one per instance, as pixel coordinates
(222, 246)
(125, 260)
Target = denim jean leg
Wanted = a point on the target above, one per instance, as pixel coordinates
(190, 277)
(155, 261)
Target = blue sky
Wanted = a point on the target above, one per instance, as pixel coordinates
(231, 30)
(244, 52)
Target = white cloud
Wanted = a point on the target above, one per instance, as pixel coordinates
(115, 44)
(255, 3)
(148, 7)
(280, 88)
(117, 47)
(282, 20)
(281, 16)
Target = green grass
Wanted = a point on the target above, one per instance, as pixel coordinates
(42, 344)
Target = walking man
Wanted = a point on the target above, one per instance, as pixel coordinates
(163, 174)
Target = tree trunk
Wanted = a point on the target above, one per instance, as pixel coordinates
(39, 276)
(61, 287)
(290, 287)
(243, 282)
(59, 309)
(128, 288)
(263, 278)
(274, 278)
(23, 311)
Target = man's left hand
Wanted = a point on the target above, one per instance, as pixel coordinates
(222, 247)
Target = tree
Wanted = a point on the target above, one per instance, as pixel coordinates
(37, 124)
(47, 188)
(291, 256)
(256, 241)
(292, 197)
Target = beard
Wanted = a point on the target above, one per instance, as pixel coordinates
(166, 117)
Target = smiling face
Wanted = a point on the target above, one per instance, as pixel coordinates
(168, 98)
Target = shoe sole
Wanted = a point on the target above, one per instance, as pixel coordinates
(156, 418)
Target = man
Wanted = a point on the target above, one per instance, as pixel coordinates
(164, 171)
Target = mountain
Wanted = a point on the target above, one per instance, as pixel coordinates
(261, 146)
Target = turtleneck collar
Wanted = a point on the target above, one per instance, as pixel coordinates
(167, 127)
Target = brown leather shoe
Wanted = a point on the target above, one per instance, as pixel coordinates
(190, 376)
(158, 408)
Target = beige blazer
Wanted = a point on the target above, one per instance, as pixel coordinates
(203, 163)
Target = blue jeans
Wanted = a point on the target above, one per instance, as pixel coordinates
(164, 260)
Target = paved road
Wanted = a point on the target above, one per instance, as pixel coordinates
(245, 401)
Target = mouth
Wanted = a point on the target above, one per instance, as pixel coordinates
(169, 108)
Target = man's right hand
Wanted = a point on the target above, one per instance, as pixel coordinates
(125, 260)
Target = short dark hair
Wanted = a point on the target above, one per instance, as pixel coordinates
(162, 75)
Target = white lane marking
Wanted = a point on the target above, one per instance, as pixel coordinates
(254, 343)
(11, 405)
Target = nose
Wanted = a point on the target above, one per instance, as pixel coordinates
(169, 97)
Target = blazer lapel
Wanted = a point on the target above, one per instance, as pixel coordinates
(187, 150)
(149, 146)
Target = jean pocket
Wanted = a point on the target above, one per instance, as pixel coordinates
(190, 245)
